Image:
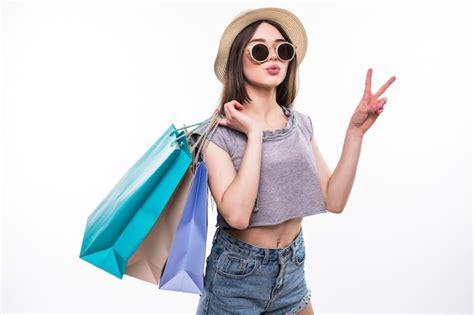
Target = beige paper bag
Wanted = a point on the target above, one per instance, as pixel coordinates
(149, 259)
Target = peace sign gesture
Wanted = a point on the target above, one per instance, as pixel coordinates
(370, 105)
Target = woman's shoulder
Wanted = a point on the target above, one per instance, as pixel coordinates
(299, 113)
(303, 120)
(219, 134)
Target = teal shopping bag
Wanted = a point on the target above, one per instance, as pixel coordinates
(118, 225)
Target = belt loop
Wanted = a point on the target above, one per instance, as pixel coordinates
(215, 235)
(265, 259)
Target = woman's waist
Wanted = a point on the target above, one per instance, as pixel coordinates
(269, 236)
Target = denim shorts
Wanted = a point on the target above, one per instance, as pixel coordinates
(244, 279)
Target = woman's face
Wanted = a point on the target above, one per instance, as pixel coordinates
(257, 74)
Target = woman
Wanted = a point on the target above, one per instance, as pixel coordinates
(265, 170)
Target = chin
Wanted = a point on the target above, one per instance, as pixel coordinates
(268, 82)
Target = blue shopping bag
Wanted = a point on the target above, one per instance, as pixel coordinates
(184, 268)
(118, 225)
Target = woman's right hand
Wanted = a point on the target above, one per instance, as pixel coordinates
(237, 118)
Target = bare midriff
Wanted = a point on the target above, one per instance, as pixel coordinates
(271, 236)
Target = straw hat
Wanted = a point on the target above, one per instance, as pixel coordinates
(290, 23)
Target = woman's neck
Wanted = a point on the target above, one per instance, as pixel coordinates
(263, 104)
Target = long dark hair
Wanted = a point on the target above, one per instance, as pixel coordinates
(234, 87)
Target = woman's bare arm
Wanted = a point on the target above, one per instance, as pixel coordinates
(235, 193)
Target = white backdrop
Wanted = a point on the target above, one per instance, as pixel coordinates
(88, 87)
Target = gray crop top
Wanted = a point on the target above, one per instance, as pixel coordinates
(289, 184)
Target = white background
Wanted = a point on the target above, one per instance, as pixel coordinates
(88, 87)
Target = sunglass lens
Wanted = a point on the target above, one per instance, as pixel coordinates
(260, 52)
(285, 51)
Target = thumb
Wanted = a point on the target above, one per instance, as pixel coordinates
(223, 121)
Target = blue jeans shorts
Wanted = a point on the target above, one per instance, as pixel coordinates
(244, 279)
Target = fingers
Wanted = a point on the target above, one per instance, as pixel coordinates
(232, 106)
(235, 105)
(380, 105)
(227, 113)
(229, 109)
(385, 86)
(368, 83)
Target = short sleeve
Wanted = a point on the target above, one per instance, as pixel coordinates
(310, 128)
(220, 136)
(307, 126)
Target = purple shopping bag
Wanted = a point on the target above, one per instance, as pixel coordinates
(184, 268)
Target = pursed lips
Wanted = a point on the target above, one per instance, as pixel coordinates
(272, 67)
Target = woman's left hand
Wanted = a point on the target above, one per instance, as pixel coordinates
(370, 106)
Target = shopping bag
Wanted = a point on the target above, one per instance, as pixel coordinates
(118, 225)
(148, 260)
(184, 268)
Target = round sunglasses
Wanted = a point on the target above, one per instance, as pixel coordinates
(260, 52)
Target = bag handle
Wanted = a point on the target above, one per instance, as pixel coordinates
(213, 123)
(208, 130)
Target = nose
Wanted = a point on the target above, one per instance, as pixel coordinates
(273, 54)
